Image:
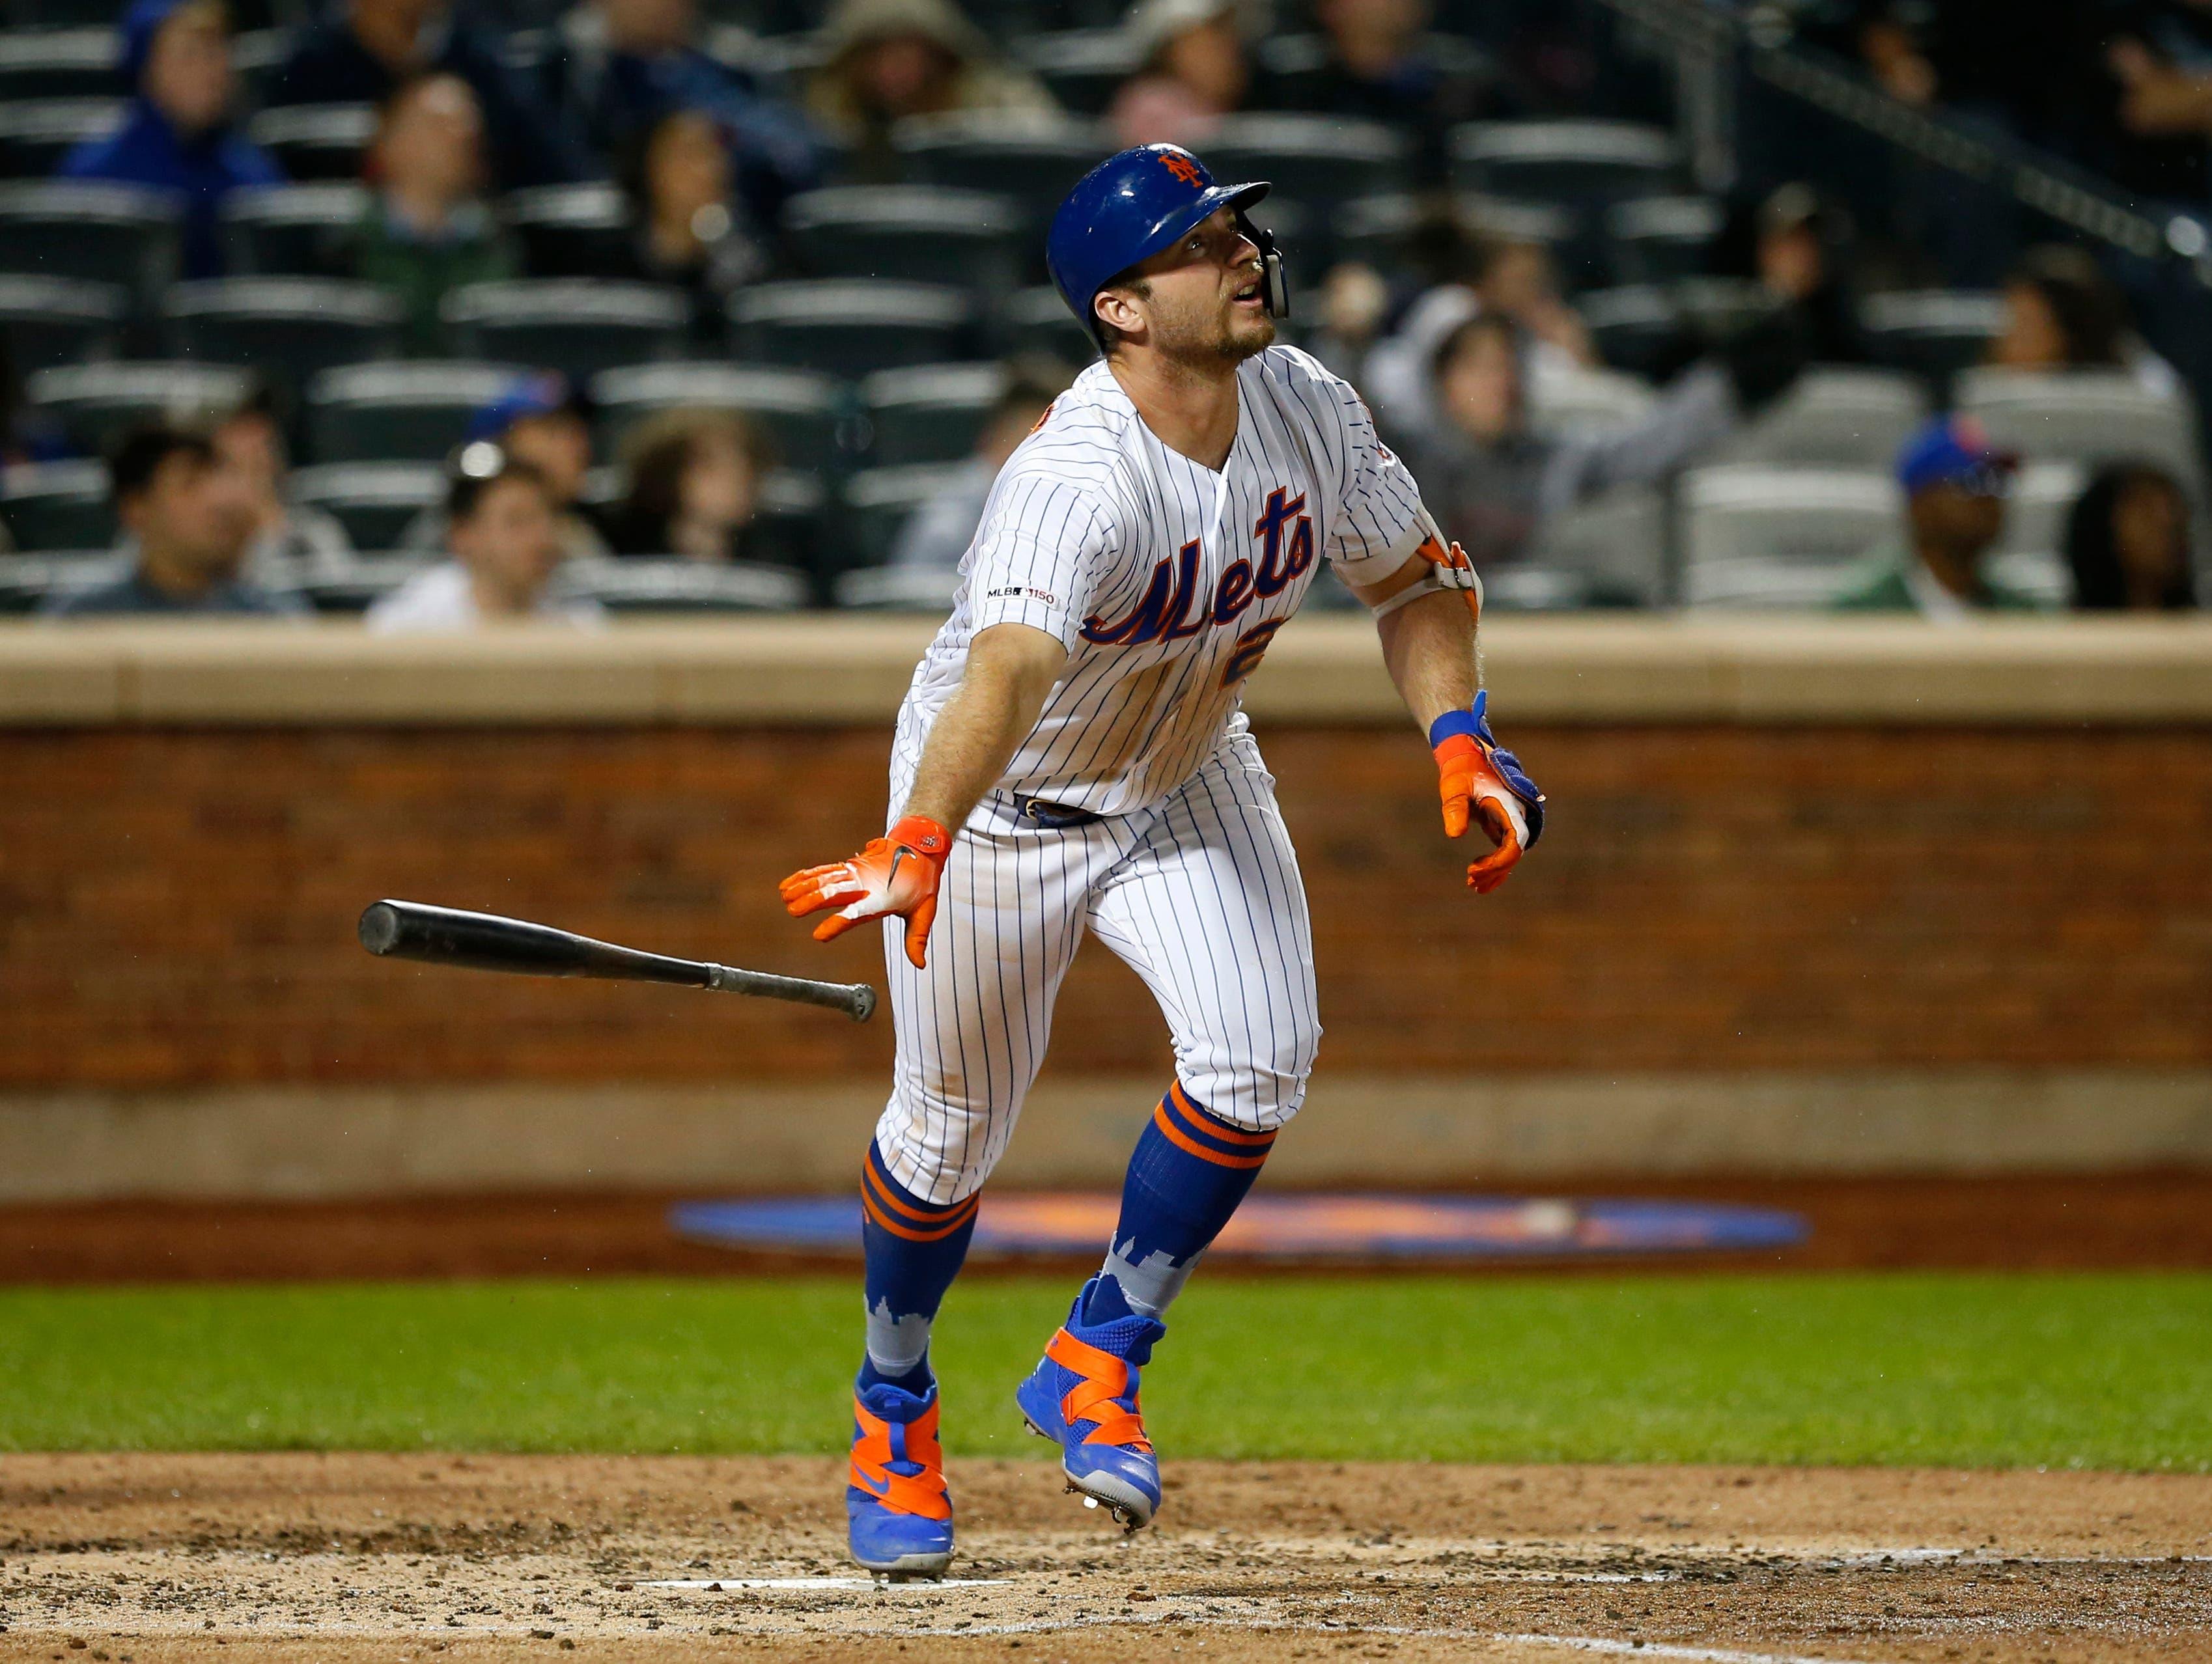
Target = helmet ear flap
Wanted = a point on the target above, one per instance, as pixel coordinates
(1274, 285)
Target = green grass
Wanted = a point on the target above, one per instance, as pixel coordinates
(2101, 1371)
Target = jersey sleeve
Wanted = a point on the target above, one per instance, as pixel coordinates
(1038, 557)
(1378, 523)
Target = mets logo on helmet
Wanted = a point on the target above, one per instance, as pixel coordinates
(1183, 166)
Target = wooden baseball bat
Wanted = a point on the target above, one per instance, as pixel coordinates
(485, 941)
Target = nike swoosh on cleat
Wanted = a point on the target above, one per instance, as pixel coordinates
(862, 1479)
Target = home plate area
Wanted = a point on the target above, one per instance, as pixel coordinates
(383, 1557)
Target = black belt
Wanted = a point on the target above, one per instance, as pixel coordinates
(1057, 816)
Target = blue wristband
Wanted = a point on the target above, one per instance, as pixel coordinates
(1469, 723)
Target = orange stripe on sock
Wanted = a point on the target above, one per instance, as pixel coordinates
(919, 1213)
(875, 1202)
(1201, 1121)
(1189, 1145)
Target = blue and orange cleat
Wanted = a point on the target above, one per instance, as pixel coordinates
(897, 1510)
(1083, 1396)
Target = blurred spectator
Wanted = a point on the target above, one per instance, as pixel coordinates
(503, 546)
(284, 537)
(1498, 277)
(937, 533)
(1380, 67)
(537, 422)
(1492, 483)
(2128, 544)
(679, 182)
(2153, 114)
(625, 65)
(694, 486)
(1193, 72)
(1955, 485)
(426, 230)
(2011, 61)
(1799, 254)
(188, 521)
(361, 50)
(176, 137)
(885, 60)
(2062, 313)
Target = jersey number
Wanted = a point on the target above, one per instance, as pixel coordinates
(1251, 647)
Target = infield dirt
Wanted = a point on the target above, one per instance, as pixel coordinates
(346, 1557)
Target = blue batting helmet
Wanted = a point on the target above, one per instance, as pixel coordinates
(1132, 205)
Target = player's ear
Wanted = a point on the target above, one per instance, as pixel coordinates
(1117, 309)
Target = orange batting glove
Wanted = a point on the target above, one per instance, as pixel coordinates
(897, 874)
(1477, 779)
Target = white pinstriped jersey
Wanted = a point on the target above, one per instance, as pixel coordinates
(1165, 580)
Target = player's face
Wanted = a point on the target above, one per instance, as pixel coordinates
(1206, 299)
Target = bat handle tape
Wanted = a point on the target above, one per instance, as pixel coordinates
(856, 999)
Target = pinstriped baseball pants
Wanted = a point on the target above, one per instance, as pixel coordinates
(1200, 896)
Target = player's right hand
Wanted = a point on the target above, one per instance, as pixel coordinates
(897, 874)
(1479, 779)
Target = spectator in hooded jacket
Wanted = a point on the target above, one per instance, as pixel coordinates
(1192, 71)
(888, 59)
(362, 49)
(624, 66)
(177, 138)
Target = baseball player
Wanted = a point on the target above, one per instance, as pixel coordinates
(1072, 756)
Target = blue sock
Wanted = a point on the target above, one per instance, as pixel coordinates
(1189, 1171)
(912, 1250)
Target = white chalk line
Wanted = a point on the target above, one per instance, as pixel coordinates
(710, 1584)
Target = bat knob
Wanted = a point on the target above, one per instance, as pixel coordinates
(379, 928)
(864, 1002)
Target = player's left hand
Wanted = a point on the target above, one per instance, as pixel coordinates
(894, 875)
(1478, 780)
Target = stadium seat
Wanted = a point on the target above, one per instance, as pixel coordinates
(1934, 333)
(52, 320)
(878, 501)
(58, 63)
(1578, 164)
(1759, 537)
(1037, 321)
(1586, 401)
(798, 410)
(37, 133)
(1033, 159)
(316, 141)
(790, 526)
(2087, 416)
(1319, 161)
(1375, 229)
(397, 412)
(578, 326)
(91, 230)
(256, 56)
(1834, 417)
(374, 502)
(57, 505)
(850, 326)
(355, 584)
(1082, 68)
(572, 230)
(1640, 329)
(922, 233)
(26, 581)
(288, 328)
(2039, 573)
(60, 14)
(677, 585)
(1611, 552)
(1660, 239)
(2043, 497)
(899, 589)
(95, 402)
(930, 414)
(293, 230)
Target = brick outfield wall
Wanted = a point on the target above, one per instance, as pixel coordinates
(177, 907)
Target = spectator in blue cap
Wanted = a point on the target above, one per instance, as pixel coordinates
(538, 421)
(177, 138)
(1956, 481)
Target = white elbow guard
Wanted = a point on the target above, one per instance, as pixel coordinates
(1449, 571)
